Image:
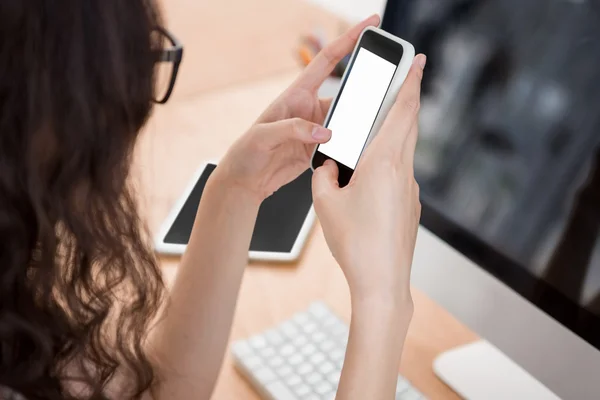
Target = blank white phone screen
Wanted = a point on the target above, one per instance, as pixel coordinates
(357, 107)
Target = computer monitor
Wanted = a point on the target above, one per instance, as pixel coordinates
(508, 162)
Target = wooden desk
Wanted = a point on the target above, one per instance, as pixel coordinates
(200, 124)
(228, 42)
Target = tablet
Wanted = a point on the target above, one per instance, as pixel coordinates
(282, 226)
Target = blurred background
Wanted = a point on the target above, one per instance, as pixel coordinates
(510, 129)
(508, 151)
(510, 124)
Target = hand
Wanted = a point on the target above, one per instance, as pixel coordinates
(371, 224)
(278, 147)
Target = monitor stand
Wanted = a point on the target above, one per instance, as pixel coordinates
(479, 371)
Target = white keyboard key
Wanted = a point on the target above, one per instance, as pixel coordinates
(317, 358)
(274, 337)
(268, 352)
(300, 340)
(311, 397)
(340, 363)
(295, 359)
(337, 354)
(279, 391)
(326, 368)
(329, 396)
(309, 327)
(327, 345)
(343, 340)
(323, 388)
(287, 350)
(258, 342)
(252, 362)
(301, 318)
(241, 349)
(293, 380)
(330, 321)
(265, 375)
(319, 310)
(289, 329)
(319, 337)
(402, 385)
(284, 371)
(313, 378)
(334, 377)
(304, 369)
(409, 394)
(308, 349)
(339, 329)
(276, 362)
(302, 390)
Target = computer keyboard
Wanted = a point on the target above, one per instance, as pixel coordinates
(301, 358)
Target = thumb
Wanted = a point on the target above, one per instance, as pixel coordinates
(325, 179)
(296, 129)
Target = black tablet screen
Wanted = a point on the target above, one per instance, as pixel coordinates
(279, 221)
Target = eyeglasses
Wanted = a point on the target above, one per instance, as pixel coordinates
(167, 67)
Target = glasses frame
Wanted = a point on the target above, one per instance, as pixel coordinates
(173, 54)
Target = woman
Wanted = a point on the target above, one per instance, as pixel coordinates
(81, 291)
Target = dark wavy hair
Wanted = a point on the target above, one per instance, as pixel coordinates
(79, 284)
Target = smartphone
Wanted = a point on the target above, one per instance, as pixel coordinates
(378, 66)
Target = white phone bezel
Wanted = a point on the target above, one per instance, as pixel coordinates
(178, 249)
(398, 79)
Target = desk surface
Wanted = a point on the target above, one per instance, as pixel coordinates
(199, 124)
(227, 42)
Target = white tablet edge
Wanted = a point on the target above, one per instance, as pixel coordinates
(178, 249)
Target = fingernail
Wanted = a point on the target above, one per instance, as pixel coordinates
(420, 60)
(321, 133)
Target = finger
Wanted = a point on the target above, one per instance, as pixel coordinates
(297, 129)
(410, 145)
(325, 179)
(324, 63)
(405, 110)
(408, 100)
(325, 104)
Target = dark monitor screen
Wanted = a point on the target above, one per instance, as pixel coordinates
(508, 158)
